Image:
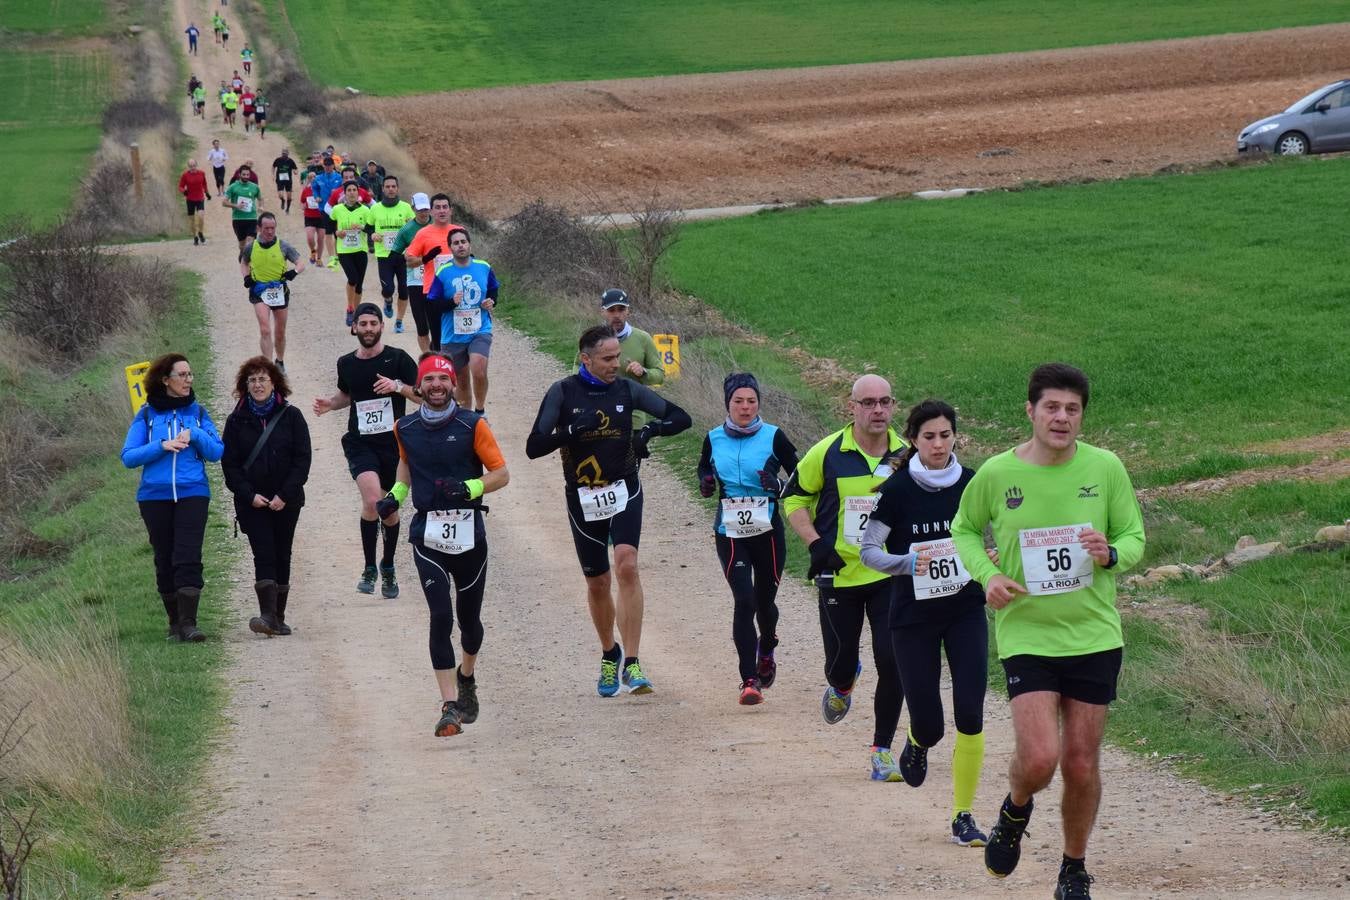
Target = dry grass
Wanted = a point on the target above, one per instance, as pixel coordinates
(65, 690)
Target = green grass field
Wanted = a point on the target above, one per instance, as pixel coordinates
(66, 17)
(96, 841)
(1205, 324)
(51, 123)
(480, 44)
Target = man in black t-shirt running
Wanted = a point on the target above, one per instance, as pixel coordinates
(589, 417)
(283, 170)
(375, 382)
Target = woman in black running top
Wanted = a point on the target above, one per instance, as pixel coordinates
(935, 606)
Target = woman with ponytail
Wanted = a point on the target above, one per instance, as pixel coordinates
(935, 606)
(741, 461)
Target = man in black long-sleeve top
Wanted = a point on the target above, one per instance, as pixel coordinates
(589, 417)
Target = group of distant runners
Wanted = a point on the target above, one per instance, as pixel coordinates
(894, 526)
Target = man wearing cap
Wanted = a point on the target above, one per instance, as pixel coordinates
(426, 319)
(387, 217)
(588, 417)
(466, 325)
(372, 179)
(328, 180)
(376, 382)
(448, 459)
(638, 358)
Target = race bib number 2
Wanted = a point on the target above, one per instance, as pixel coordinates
(1053, 561)
(449, 530)
(603, 502)
(857, 512)
(946, 575)
(375, 416)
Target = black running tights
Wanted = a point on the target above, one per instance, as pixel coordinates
(842, 611)
(753, 567)
(468, 571)
(918, 653)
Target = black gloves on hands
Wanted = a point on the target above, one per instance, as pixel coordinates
(707, 485)
(770, 482)
(824, 558)
(289, 275)
(447, 492)
(640, 448)
(249, 282)
(430, 255)
(387, 506)
(588, 421)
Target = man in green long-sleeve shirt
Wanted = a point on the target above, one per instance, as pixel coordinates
(639, 359)
(1066, 520)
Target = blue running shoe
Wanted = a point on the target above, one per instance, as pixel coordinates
(966, 833)
(350, 317)
(634, 682)
(398, 326)
(883, 765)
(834, 705)
(608, 685)
(388, 309)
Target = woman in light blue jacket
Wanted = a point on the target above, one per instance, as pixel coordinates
(171, 439)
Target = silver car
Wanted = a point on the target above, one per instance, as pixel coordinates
(1319, 123)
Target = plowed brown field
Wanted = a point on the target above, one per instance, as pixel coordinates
(793, 134)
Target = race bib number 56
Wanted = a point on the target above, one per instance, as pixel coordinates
(1053, 561)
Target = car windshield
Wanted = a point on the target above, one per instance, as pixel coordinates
(1303, 103)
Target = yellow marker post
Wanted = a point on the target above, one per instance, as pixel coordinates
(668, 345)
(136, 383)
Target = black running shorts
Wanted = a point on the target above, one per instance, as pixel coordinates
(592, 539)
(366, 455)
(1090, 678)
(245, 228)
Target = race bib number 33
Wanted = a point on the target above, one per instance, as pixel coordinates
(1053, 561)
(468, 321)
(946, 575)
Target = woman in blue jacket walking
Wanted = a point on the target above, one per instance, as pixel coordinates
(171, 439)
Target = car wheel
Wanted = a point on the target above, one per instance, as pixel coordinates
(1291, 144)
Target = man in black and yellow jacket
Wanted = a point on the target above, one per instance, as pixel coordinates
(828, 501)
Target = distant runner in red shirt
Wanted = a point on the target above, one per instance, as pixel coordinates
(192, 185)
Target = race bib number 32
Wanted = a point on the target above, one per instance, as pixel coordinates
(603, 502)
(449, 530)
(946, 575)
(375, 416)
(744, 517)
(1053, 562)
(857, 511)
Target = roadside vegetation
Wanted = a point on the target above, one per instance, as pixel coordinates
(532, 42)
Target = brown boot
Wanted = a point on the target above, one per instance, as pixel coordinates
(266, 623)
(283, 591)
(188, 600)
(171, 607)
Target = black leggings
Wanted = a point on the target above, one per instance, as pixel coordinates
(392, 269)
(426, 316)
(354, 267)
(176, 529)
(841, 620)
(469, 571)
(270, 535)
(918, 653)
(753, 567)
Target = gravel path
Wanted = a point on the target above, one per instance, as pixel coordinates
(328, 782)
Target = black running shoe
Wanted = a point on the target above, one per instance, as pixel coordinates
(468, 699)
(1005, 842)
(1073, 885)
(450, 722)
(913, 763)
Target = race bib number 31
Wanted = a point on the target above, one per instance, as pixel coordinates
(449, 530)
(1053, 562)
(946, 575)
(857, 511)
(604, 502)
(744, 517)
(375, 416)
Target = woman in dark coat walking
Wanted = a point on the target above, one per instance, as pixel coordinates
(267, 482)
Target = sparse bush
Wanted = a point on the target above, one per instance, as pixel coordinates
(137, 113)
(655, 230)
(346, 120)
(293, 94)
(549, 249)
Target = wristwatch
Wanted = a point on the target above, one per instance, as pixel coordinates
(1112, 559)
(398, 388)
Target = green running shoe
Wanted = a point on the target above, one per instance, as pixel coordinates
(883, 765)
(608, 685)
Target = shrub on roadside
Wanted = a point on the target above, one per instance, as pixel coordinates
(136, 113)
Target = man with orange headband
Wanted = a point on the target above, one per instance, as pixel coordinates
(448, 459)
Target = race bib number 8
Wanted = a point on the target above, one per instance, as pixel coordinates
(449, 530)
(744, 517)
(604, 502)
(946, 575)
(857, 512)
(274, 296)
(1053, 562)
(375, 416)
(468, 321)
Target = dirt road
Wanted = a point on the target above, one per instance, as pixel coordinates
(328, 782)
(866, 130)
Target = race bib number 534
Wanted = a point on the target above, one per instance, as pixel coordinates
(1053, 561)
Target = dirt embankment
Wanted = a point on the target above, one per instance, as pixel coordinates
(753, 137)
